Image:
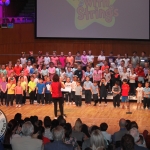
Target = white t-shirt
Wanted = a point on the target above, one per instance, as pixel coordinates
(126, 60)
(23, 60)
(120, 70)
(107, 77)
(47, 61)
(118, 62)
(90, 58)
(100, 57)
(124, 76)
(132, 76)
(29, 67)
(139, 91)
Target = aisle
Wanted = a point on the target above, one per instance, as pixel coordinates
(88, 114)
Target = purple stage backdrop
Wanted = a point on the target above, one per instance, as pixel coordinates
(119, 19)
(0, 14)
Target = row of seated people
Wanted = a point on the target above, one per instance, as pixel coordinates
(32, 133)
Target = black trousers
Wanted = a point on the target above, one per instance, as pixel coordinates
(60, 101)
(116, 100)
(32, 96)
(73, 95)
(88, 95)
(3, 97)
(68, 97)
(40, 97)
(19, 99)
(48, 98)
(78, 100)
(100, 100)
(24, 97)
(146, 102)
(10, 98)
(132, 88)
(95, 98)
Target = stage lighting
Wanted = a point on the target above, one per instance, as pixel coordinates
(4, 2)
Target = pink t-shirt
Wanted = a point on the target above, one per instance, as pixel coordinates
(84, 59)
(62, 60)
(54, 60)
(18, 90)
(51, 70)
(9, 72)
(97, 75)
(39, 60)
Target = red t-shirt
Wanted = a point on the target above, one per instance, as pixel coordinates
(56, 89)
(17, 70)
(125, 89)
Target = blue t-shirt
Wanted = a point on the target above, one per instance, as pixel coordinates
(146, 92)
(40, 87)
(47, 85)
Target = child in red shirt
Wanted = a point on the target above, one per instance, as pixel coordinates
(125, 91)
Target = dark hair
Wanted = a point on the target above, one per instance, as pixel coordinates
(40, 123)
(127, 142)
(68, 130)
(133, 124)
(10, 128)
(56, 78)
(134, 52)
(55, 123)
(27, 119)
(47, 122)
(94, 127)
(125, 80)
(18, 117)
(103, 126)
(140, 82)
(128, 124)
(61, 120)
(117, 83)
(84, 129)
(41, 130)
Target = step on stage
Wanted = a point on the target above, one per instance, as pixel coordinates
(90, 115)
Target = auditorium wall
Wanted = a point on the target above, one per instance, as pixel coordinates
(22, 39)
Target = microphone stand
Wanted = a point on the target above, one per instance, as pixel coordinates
(129, 112)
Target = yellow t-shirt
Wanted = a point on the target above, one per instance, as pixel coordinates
(31, 85)
(23, 85)
(11, 90)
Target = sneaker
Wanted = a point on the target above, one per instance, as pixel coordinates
(19, 106)
(67, 103)
(16, 105)
(43, 104)
(99, 105)
(73, 103)
(70, 103)
(105, 104)
(55, 117)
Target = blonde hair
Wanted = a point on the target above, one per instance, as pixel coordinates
(78, 125)
(97, 140)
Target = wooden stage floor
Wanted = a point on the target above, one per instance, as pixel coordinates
(91, 115)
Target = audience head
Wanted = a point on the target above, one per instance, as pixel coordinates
(11, 129)
(61, 120)
(122, 123)
(103, 126)
(97, 140)
(94, 127)
(18, 117)
(85, 130)
(40, 132)
(78, 125)
(127, 142)
(68, 130)
(54, 124)
(58, 133)
(47, 122)
(133, 124)
(135, 134)
(27, 129)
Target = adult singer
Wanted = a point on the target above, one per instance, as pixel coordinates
(57, 96)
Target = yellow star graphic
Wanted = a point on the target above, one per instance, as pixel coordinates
(90, 11)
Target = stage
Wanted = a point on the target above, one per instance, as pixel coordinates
(89, 115)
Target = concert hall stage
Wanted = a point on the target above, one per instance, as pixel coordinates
(89, 114)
